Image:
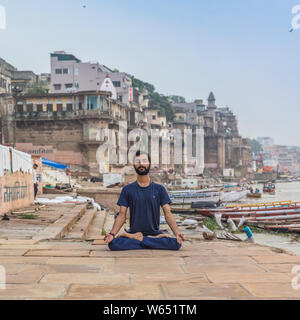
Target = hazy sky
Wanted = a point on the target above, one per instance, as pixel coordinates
(241, 50)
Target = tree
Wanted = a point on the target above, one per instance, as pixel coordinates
(157, 100)
(36, 90)
(177, 99)
(256, 147)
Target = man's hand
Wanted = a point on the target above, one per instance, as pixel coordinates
(108, 238)
(180, 237)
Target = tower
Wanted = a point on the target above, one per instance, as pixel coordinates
(211, 101)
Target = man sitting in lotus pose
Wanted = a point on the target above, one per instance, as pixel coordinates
(144, 198)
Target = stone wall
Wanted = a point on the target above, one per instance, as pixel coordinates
(107, 198)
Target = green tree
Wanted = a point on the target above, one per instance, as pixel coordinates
(177, 99)
(157, 100)
(256, 147)
(36, 90)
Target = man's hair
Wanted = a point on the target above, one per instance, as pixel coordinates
(138, 153)
(35, 165)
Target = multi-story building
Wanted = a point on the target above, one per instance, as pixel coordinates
(287, 157)
(6, 70)
(265, 141)
(224, 147)
(69, 74)
(23, 80)
(63, 127)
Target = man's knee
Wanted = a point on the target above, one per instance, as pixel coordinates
(175, 245)
(113, 245)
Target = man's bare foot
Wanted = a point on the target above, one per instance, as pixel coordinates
(137, 236)
(160, 236)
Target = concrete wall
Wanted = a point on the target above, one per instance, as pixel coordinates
(107, 198)
(16, 191)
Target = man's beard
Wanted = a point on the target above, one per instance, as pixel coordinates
(142, 172)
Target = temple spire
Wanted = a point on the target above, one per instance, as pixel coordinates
(211, 101)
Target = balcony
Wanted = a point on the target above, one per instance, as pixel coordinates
(63, 115)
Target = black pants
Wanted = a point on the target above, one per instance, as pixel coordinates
(35, 189)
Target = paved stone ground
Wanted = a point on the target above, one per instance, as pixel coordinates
(200, 270)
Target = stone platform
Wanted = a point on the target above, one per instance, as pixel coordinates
(68, 269)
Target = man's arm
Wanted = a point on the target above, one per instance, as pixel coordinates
(172, 223)
(120, 220)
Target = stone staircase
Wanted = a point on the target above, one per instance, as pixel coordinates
(79, 222)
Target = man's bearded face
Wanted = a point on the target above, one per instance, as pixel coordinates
(142, 165)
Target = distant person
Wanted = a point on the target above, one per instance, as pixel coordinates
(144, 198)
(243, 225)
(35, 182)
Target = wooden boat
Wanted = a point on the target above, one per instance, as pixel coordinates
(229, 212)
(183, 210)
(269, 188)
(233, 195)
(187, 196)
(254, 195)
(263, 204)
(246, 209)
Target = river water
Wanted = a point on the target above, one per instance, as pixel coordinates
(284, 191)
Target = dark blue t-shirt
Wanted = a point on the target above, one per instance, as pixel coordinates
(144, 204)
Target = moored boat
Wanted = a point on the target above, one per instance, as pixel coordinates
(254, 195)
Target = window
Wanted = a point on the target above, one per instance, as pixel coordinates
(29, 107)
(76, 72)
(76, 84)
(65, 71)
(69, 106)
(59, 107)
(69, 85)
(49, 107)
(120, 98)
(80, 106)
(39, 107)
(20, 107)
(117, 83)
(58, 71)
(57, 87)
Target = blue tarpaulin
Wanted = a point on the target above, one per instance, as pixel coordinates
(54, 164)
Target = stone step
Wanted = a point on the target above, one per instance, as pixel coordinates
(61, 226)
(95, 230)
(81, 227)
